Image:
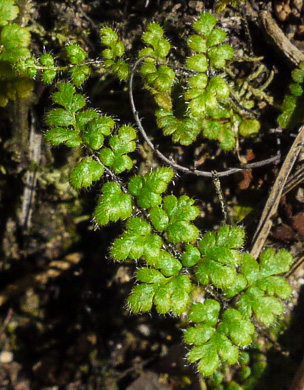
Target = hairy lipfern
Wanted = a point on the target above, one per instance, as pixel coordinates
(215, 260)
(220, 290)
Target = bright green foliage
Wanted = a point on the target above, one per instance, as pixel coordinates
(208, 45)
(148, 188)
(112, 55)
(158, 79)
(207, 98)
(79, 74)
(60, 135)
(207, 312)
(167, 294)
(158, 46)
(220, 256)
(218, 336)
(95, 128)
(14, 42)
(8, 11)
(47, 60)
(75, 54)
(292, 112)
(116, 157)
(85, 173)
(249, 127)
(80, 71)
(74, 126)
(78, 68)
(137, 241)
(183, 131)
(112, 205)
(64, 120)
(191, 256)
(233, 325)
(265, 287)
(174, 218)
(216, 341)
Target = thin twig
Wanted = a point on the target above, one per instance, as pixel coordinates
(279, 39)
(272, 203)
(35, 140)
(170, 161)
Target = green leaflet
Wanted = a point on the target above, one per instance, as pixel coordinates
(216, 341)
(275, 263)
(249, 127)
(210, 42)
(191, 256)
(206, 97)
(218, 56)
(160, 78)
(74, 126)
(168, 295)
(265, 308)
(174, 218)
(137, 241)
(112, 55)
(116, 157)
(95, 129)
(85, 173)
(209, 355)
(207, 312)
(14, 41)
(220, 256)
(79, 74)
(184, 131)
(148, 188)
(112, 205)
(72, 102)
(80, 71)
(159, 47)
(239, 330)
(46, 60)
(8, 11)
(75, 54)
(66, 97)
(265, 286)
(63, 119)
(60, 135)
